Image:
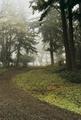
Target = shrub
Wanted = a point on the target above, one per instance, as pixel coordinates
(74, 77)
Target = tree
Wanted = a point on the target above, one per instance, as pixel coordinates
(15, 39)
(52, 41)
(25, 42)
(66, 12)
(7, 39)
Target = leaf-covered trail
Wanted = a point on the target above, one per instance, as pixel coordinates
(16, 104)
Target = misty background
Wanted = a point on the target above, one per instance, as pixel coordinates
(20, 10)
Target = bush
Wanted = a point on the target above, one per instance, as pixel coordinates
(74, 77)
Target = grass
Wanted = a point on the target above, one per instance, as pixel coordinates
(48, 85)
(2, 70)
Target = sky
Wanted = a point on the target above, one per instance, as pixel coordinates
(21, 7)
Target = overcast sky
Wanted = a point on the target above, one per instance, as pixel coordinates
(19, 6)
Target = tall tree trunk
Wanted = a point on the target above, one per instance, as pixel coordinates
(52, 57)
(18, 55)
(80, 32)
(65, 37)
(71, 40)
(51, 52)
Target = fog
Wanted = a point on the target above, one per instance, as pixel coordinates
(20, 9)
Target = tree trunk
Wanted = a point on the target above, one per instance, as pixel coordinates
(52, 57)
(80, 33)
(51, 52)
(71, 40)
(65, 38)
(18, 55)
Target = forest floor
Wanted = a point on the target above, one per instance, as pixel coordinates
(17, 104)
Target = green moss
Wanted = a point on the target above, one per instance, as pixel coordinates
(51, 87)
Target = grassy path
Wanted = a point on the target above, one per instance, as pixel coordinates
(15, 104)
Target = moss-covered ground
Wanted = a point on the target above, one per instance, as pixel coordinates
(53, 87)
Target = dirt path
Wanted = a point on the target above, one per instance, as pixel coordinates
(15, 104)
